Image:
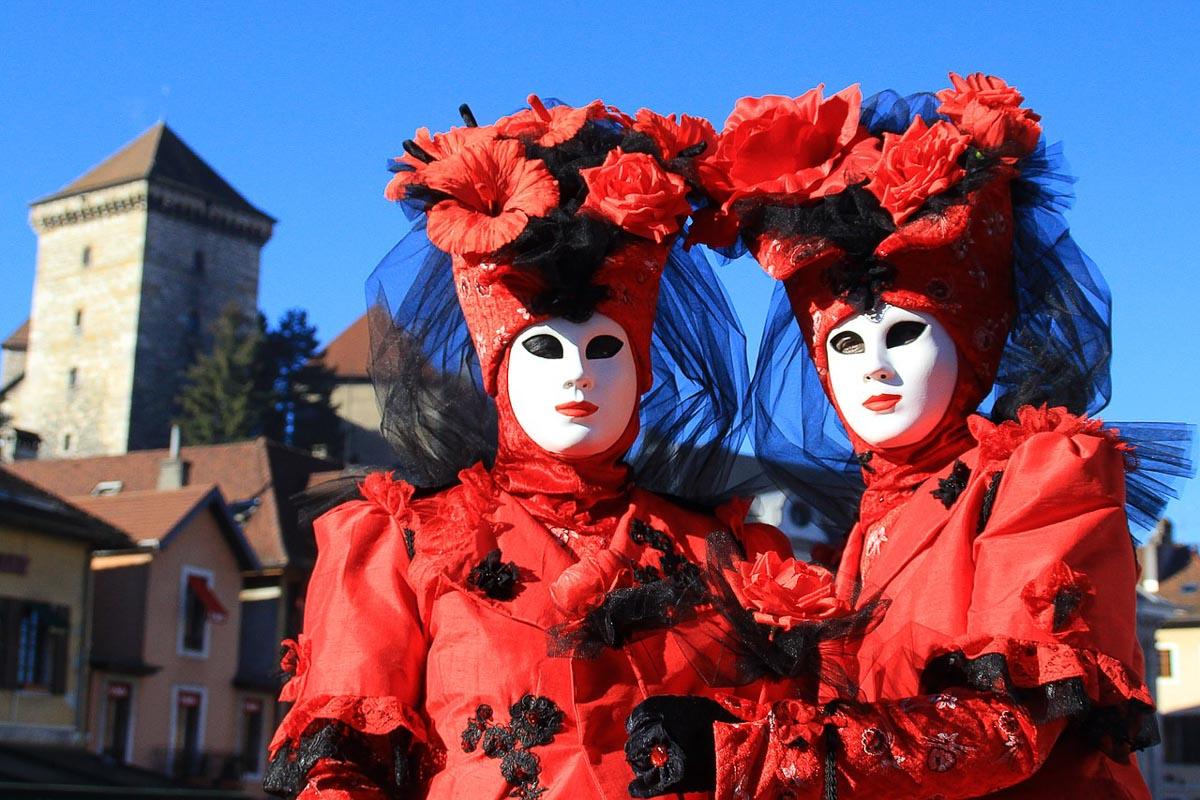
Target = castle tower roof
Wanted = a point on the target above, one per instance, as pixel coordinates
(160, 156)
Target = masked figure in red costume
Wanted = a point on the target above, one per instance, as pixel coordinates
(488, 639)
(921, 249)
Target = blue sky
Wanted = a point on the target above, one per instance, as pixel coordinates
(299, 107)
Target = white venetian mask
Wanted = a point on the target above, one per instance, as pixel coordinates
(893, 374)
(573, 386)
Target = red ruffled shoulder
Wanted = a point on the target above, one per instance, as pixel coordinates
(997, 443)
(389, 493)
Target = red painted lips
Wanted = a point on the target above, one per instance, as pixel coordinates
(577, 408)
(882, 402)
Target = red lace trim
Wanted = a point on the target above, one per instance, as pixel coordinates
(369, 715)
(999, 442)
(1107, 681)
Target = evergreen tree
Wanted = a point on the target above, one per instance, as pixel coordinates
(301, 413)
(223, 398)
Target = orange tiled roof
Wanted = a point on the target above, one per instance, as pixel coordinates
(347, 355)
(147, 515)
(244, 471)
(1183, 587)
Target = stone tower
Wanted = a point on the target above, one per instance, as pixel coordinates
(135, 261)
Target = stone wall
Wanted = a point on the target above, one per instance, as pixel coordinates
(193, 270)
(103, 295)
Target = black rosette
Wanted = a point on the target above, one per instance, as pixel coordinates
(535, 720)
(670, 745)
(493, 577)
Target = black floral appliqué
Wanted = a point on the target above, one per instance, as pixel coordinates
(951, 486)
(534, 721)
(496, 579)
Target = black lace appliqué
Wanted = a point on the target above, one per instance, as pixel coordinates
(534, 721)
(410, 542)
(496, 579)
(989, 500)
(391, 762)
(670, 746)
(951, 486)
(664, 596)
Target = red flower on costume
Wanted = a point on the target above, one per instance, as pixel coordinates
(674, 137)
(388, 493)
(493, 190)
(795, 149)
(916, 165)
(548, 127)
(989, 111)
(784, 594)
(438, 146)
(632, 191)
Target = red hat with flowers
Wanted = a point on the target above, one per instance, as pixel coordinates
(921, 219)
(555, 211)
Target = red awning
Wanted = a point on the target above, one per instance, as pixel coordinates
(216, 612)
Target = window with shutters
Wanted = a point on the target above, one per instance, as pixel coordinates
(34, 645)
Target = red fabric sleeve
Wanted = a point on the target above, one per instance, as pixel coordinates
(360, 660)
(1055, 572)
(953, 745)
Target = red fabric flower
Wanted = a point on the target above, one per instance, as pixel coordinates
(916, 165)
(631, 190)
(388, 493)
(548, 126)
(294, 662)
(438, 146)
(493, 189)
(785, 593)
(1059, 599)
(674, 137)
(989, 111)
(797, 149)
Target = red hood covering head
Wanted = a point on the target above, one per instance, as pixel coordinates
(496, 297)
(955, 265)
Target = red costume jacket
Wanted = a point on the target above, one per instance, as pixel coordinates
(1007, 664)
(412, 628)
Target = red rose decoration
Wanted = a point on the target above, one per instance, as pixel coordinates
(674, 137)
(916, 165)
(493, 189)
(438, 146)
(389, 494)
(989, 111)
(796, 149)
(784, 594)
(548, 126)
(631, 190)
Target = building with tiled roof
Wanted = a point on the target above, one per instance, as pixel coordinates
(353, 397)
(136, 259)
(167, 633)
(1171, 574)
(257, 477)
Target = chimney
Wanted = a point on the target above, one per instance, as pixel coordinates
(173, 471)
(1160, 538)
